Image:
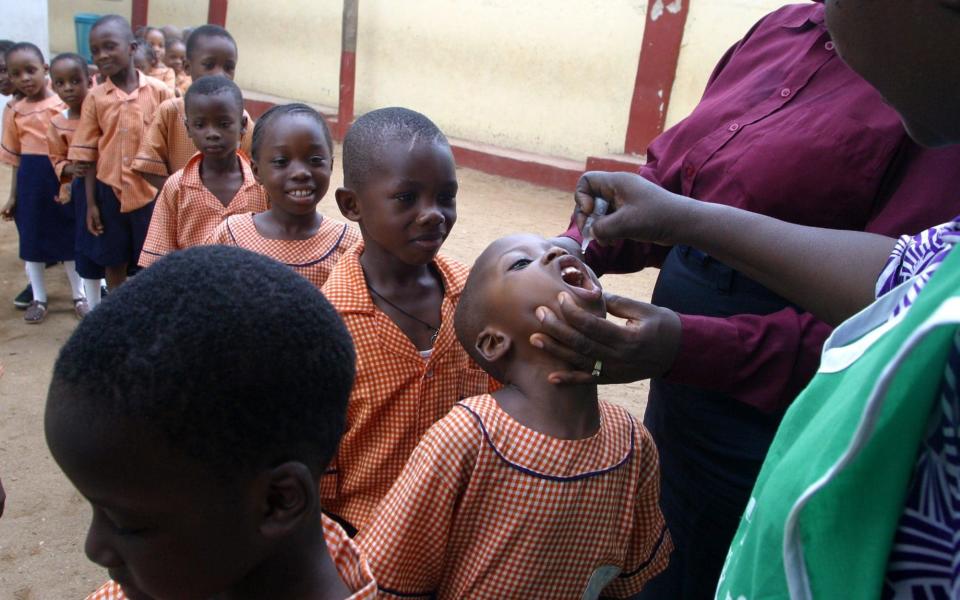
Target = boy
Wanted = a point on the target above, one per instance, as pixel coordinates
(215, 184)
(167, 146)
(119, 203)
(538, 491)
(397, 296)
(199, 458)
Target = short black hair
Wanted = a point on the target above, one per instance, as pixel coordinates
(4, 45)
(212, 85)
(23, 46)
(75, 58)
(369, 133)
(472, 314)
(144, 51)
(114, 20)
(282, 110)
(235, 380)
(171, 41)
(206, 31)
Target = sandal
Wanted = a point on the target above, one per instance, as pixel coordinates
(81, 307)
(36, 312)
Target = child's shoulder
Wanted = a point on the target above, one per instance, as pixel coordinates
(461, 427)
(63, 123)
(345, 287)
(455, 272)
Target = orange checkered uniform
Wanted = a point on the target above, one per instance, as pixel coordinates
(187, 212)
(313, 258)
(184, 82)
(487, 508)
(59, 134)
(397, 394)
(164, 74)
(25, 128)
(166, 147)
(111, 127)
(350, 563)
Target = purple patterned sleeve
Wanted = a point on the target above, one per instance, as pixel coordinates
(918, 255)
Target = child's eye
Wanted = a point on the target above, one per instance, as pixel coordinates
(280, 162)
(520, 264)
(318, 160)
(448, 199)
(407, 197)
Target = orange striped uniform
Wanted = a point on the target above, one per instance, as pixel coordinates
(487, 508)
(397, 394)
(187, 212)
(313, 258)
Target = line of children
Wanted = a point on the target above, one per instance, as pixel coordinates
(114, 116)
(397, 295)
(200, 459)
(292, 160)
(536, 491)
(215, 184)
(174, 58)
(45, 225)
(71, 82)
(157, 42)
(166, 145)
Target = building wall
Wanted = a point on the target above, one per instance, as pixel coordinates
(62, 34)
(180, 13)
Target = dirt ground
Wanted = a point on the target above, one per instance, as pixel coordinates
(43, 527)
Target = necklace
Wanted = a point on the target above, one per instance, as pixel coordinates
(435, 330)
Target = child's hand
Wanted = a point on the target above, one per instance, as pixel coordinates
(69, 170)
(639, 209)
(63, 197)
(94, 225)
(79, 168)
(9, 209)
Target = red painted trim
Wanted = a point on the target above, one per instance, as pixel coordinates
(348, 78)
(217, 12)
(138, 13)
(542, 170)
(629, 163)
(656, 71)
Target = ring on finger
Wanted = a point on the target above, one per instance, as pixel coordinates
(597, 367)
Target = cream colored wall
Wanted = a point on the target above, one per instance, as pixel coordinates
(62, 35)
(179, 13)
(712, 27)
(549, 76)
(288, 48)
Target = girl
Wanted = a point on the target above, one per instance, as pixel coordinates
(157, 45)
(292, 160)
(174, 58)
(71, 81)
(45, 226)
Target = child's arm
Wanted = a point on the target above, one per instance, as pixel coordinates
(57, 149)
(10, 208)
(162, 233)
(94, 225)
(649, 546)
(151, 161)
(832, 273)
(406, 540)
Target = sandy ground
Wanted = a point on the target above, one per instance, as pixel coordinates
(42, 530)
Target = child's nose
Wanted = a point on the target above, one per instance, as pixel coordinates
(98, 548)
(553, 254)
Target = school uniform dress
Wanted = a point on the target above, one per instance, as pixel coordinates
(110, 131)
(313, 258)
(186, 212)
(45, 226)
(86, 245)
(397, 395)
(183, 83)
(166, 75)
(784, 129)
(350, 563)
(487, 508)
(166, 147)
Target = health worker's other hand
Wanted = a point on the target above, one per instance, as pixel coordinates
(644, 347)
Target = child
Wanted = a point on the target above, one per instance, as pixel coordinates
(71, 81)
(538, 491)
(397, 296)
(167, 147)
(215, 184)
(143, 56)
(119, 203)
(159, 70)
(45, 226)
(174, 58)
(292, 159)
(200, 459)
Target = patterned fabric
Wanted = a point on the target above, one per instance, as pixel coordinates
(350, 563)
(184, 82)
(917, 257)
(397, 395)
(166, 146)
(187, 212)
(164, 74)
(487, 508)
(923, 562)
(314, 258)
(59, 134)
(111, 127)
(25, 130)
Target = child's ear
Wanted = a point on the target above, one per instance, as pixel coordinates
(186, 67)
(492, 344)
(290, 498)
(347, 201)
(243, 124)
(255, 171)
